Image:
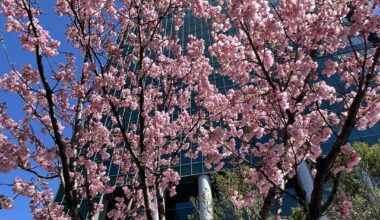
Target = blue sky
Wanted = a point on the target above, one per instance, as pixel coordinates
(56, 26)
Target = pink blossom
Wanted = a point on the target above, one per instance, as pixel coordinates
(346, 205)
(6, 203)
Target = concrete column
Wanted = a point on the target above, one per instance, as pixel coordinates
(205, 198)
(368, 181)
(156, 211)
(306, 179)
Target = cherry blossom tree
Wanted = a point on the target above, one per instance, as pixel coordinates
(301, 80)
(124, 63)
(292, 94)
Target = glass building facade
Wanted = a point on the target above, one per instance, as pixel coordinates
(179, 206)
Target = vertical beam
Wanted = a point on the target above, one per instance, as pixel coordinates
(366, 178)
(157, 214)
(155, 210)
(205, 197)
(306, 180)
